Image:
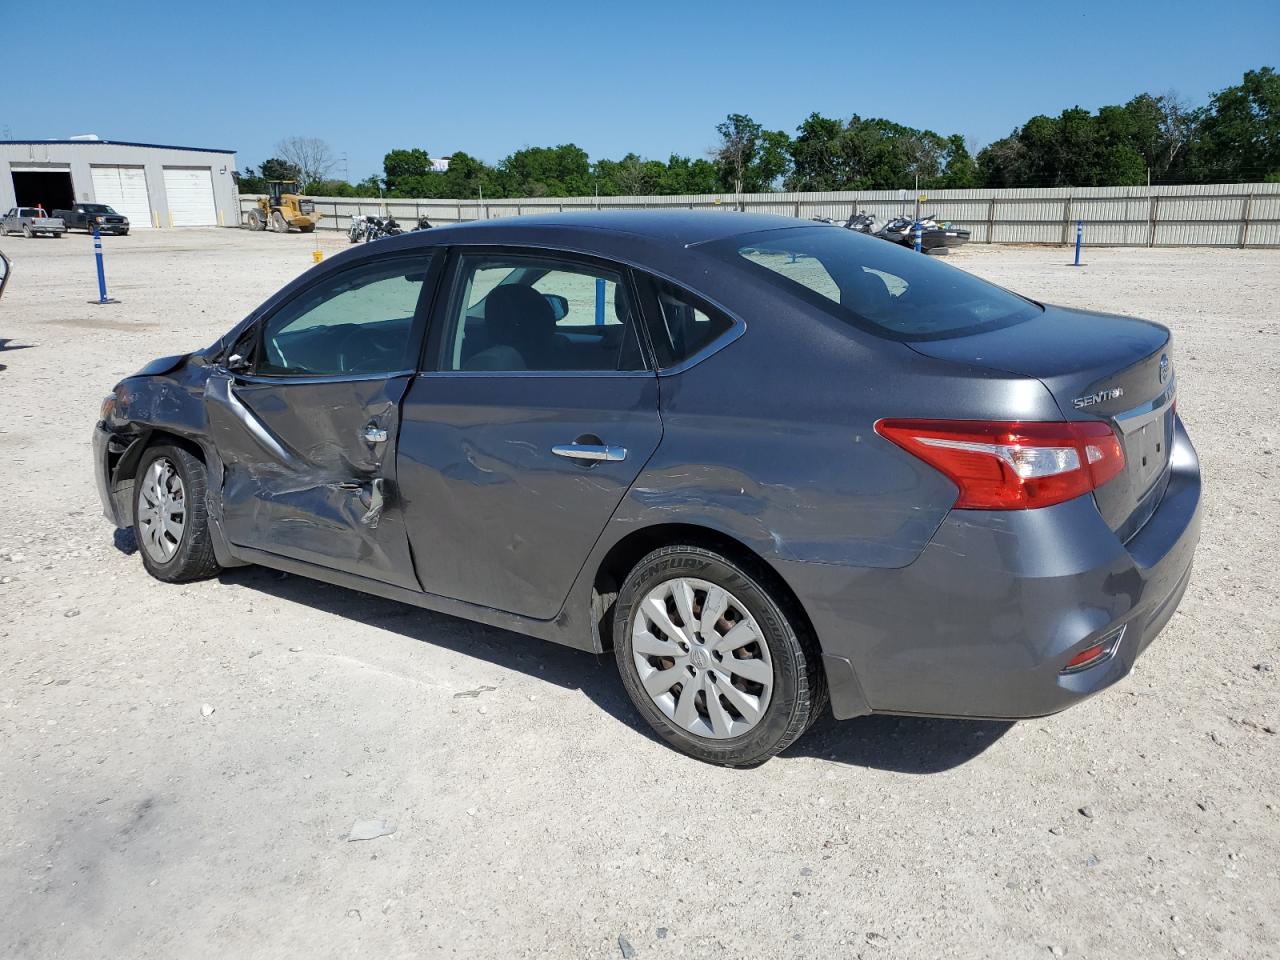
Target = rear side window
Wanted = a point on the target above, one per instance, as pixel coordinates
(878, 285)
(682, 327)
(519, 313)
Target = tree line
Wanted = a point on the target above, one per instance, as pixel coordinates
(1234, 137)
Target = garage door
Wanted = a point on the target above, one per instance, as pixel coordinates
(190, 191)
(124, 189)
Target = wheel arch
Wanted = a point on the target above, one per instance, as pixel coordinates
(620, 558)
(126, 467)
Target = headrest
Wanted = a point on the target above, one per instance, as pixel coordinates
(514, 312)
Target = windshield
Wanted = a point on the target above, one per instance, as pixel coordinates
(97, 208)
(878, 285)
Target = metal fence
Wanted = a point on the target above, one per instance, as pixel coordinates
(1235, 215)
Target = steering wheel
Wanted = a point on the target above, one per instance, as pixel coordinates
(361, 351)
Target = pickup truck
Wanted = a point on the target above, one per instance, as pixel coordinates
(31, 222)
(84, 216)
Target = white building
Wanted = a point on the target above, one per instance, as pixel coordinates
(152, 185)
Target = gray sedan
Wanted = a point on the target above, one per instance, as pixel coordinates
(770, 464)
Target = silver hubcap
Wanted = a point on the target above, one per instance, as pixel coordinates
(702, 658)
(162, 510)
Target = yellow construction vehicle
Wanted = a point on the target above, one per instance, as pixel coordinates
(283, 208)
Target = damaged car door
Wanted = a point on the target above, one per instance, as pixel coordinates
(305, 413)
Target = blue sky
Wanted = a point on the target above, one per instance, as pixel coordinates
(654, 77)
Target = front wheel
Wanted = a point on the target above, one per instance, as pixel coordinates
(717, 660)
(169, 515)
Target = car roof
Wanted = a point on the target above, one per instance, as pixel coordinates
(675, 227)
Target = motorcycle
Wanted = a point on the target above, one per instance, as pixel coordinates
(935, 237)
(859, 222)
(423, 224)
(370, 228)
(355, 232)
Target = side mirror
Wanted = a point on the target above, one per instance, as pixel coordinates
(4, 271)
(559, 305)
(237, 363)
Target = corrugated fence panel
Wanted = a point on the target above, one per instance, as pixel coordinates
(1202, 214)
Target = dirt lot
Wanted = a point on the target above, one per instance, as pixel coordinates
(534, 816)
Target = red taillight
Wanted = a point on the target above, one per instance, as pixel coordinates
(1001, 465)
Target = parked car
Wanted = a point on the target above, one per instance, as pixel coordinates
(31, 222)
(85, 216)
(767, 462)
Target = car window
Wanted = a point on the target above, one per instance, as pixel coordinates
(538, 313)
(359, 321)
(877, 285)
(683, 327)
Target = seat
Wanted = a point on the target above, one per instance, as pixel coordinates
(520, 327)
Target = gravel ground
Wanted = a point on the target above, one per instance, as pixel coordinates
(533, 815)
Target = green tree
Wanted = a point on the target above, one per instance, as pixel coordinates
(277, 169)
(404, 171)
(688, 176)
(959, 170)
(1239, 138)
(561, 171)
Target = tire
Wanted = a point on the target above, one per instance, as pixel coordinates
(191, 556)
(279, 223)
(4, 231)
(254, 220)
(26, 232)
(779, 648)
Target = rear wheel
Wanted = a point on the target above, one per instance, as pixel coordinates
(169, 515)
(714, 659)
(26, 232)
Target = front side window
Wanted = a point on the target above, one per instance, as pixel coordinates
(360, 321)
(515, 313)
(878, 285)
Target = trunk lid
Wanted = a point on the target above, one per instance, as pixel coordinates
(1098, 367)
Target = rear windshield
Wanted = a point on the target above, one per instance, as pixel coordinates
(877, 285)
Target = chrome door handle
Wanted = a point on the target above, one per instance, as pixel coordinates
(589, 451)
(375, 434)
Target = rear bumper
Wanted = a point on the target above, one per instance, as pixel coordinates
(983, 622)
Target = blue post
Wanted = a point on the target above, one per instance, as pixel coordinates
(599, 301)
(919, 238)
(102, 277)
(1079, 237)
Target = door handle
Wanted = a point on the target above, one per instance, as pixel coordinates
(375, 434)
(590, 451)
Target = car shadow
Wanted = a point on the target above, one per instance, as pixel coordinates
(918, 745)
(6, 344)
(897, 744)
